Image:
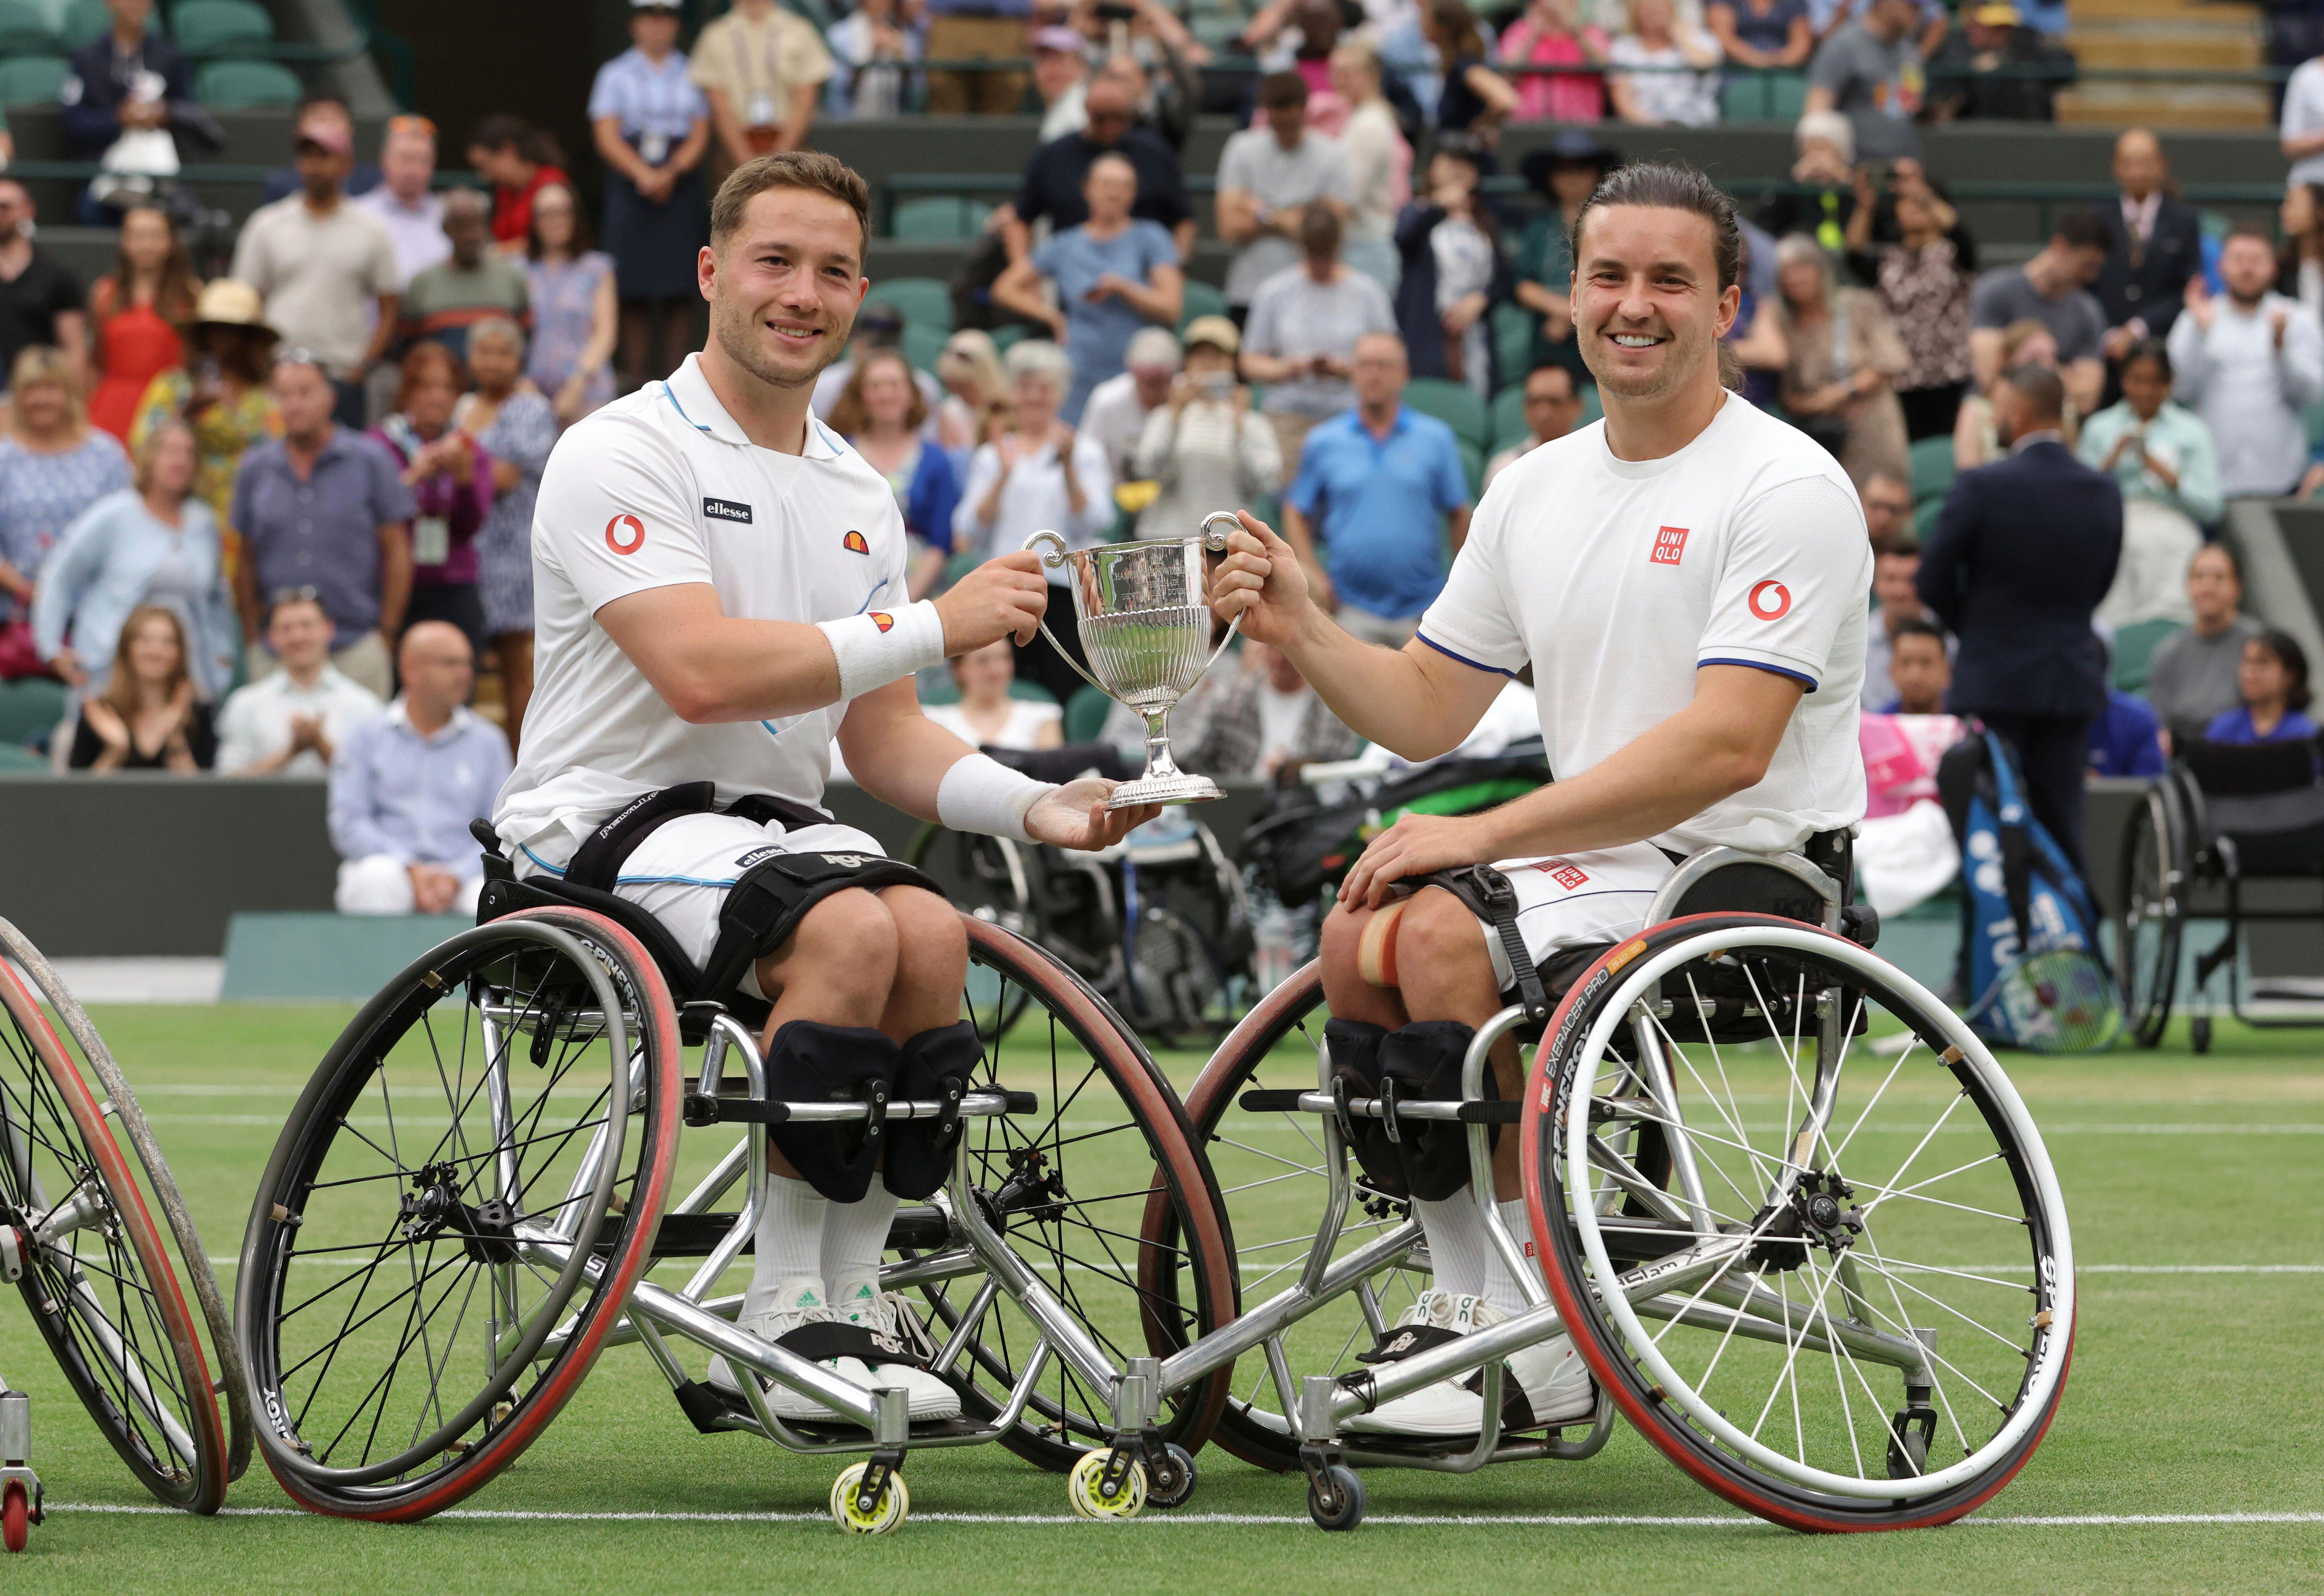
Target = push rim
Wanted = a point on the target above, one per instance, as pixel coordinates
(2150, 923)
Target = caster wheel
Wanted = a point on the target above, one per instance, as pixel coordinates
(1173, 1484)
(2199, 1033)
(1081, 1487)
(1336, 1498)
(1909, 1434)
(15, 1517)
(895, 1502)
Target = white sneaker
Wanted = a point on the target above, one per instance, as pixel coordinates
(857, 1299)
(799, 1300)
(1446, 1408)
(1553, 1380)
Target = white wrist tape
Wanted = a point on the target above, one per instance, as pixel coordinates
(981, 794)
(884, 646)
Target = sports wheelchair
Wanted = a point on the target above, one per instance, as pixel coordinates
(79, 1241)
(473, 1195)
(2222, 819)
(1787, 1207)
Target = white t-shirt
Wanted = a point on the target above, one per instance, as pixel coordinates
(658, 489)
(255, 724)
(1280, 716)
(1616, 579)
(1022, 730)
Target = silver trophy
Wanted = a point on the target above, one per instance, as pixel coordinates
(1145, 617)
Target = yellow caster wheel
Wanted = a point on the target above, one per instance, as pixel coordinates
(1083, 1483)
(895, 1502)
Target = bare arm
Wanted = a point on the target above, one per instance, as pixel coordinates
(1019, 289)
(614, 150)
(1984, 355)
(245, 596)
(1494, 89)
(1236, 214)
(72, 338)
(2085, 384)
(383, 334)
(801, 121)
(1271, 368)
(728, 126)
(394, 578)
(2300, 146)
(1820, 99)
(1158, 298)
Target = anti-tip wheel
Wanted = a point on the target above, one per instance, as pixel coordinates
(1335, 1498)
(895, 1502)
(1173, 1484)
(1084, 1484)
(15, 1517)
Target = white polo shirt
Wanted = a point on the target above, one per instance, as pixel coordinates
(1616, 579)
(659, 488)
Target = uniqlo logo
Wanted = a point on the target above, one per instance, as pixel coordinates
(1568, 876)
(1670, 546)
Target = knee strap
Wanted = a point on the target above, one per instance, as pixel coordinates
(811, 1062)
(1354, 1049)
(775, 891)
(937, 1065)
(1422, 1060)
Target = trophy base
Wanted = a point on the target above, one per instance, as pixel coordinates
(1179, 788)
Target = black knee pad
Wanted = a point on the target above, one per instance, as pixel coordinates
(1354, 1048)
(937, 1065)
(1423, 1061)
(811, 1062)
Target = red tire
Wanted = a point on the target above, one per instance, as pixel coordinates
(15, 1516)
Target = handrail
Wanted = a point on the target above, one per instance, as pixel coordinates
(2057, 71)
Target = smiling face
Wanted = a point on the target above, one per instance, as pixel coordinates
(984, 676)
(430, 402)
(170, 467)
(145, 239)
(552, 217)
(2146, 385)
(1648, 311)
(1035, 396)
(1110, 190)
(887, 392)
(784, 289)
(153, 652)
(44, 408)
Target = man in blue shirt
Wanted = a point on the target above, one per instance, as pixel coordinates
(1375, 485)
(2125, 739)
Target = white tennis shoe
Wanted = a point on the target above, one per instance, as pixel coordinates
(798, 1301)
(857, 1299)
(1551, 1375)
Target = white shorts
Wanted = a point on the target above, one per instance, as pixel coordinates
(681, 873)
(1577, 899)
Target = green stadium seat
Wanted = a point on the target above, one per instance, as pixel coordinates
(30, 708)
(923, 344)
(922, 301)
(937, 218)
(32, 80)
(1219, 33)
(25, 29)
(15, 756)
(1454, 404)
(1200, 300)
(1508, 417)
(246, 86)
(2134, 650)
(1086, 715)
(1743, 98)
(1933, 468)
(1005, 338)
(222, 27)
(1031, 692)
(1513, 343)
(1472, 466)
(84, 20)
(1788, 97)
(1924, 518)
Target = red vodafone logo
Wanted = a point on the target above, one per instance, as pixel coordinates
(1770, 600)
(625, 534)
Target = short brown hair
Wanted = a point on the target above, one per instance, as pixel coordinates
(848, 416)
(428, 359)
(788, 168)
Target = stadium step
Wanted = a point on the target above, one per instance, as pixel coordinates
(2162, 35)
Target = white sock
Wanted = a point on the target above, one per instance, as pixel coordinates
(856, 1234)
(788, 1241)
(1457, 1243)
(1501, 1287)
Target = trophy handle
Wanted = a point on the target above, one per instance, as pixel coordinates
(1217, 526)
(1051, 548)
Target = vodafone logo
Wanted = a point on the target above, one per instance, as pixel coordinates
(1770, 600)
(625, 534)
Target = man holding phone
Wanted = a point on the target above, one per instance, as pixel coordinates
(1300, 340)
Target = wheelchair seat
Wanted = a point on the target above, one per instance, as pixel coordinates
(2264, 800)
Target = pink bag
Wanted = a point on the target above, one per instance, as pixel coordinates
(1891, 765)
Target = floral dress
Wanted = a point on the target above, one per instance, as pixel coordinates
(522, 433)
(564, 309)
(41, 494)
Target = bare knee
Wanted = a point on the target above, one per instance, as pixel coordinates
(1440, 948)
(840, 958)
(931, 944)
(1345, 988)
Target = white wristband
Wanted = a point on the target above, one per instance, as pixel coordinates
(981, 794)
(884, 646)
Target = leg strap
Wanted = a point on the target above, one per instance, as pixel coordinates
(776, 891)
(1422, 1061)
(1354, 1048)
(937, 1065)
(811, 1062)
(1492, 899)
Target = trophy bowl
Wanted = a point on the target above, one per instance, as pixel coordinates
(1144, 616)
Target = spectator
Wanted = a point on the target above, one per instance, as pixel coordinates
(324, 509)
(474, 284)
(882, 414)
(1845, 358)
(1826, 171)
(2162, 458)
(2299, 265)
(977, 29)
(2250, 368)
(1203, 448)
(1301, 339)
(1113, 274)
(451, 483)
(137, 313)
(1118, 407)
(1668, 96)
(1919, 667)
(1552, 34)
(576, 315)
(2126, 740)
(1975, 440)
(514, 428)
(2053, 289)
(1564, 175)
(153, 544)
(1453, 272)
(1887, 515)
(652, 127)
(1552, 408)
(222, 393)
(291, 722)
(987, 714)
(2272, 681)
(1869, 70)
(128, 87)
(519, 160)
(406, 783)
(2302, 125)
(52, 466)
(40, 300)
(1060, 78)
(870, 47)
(1055, 177)
(975, 406)
(2192, 676)
(1896, 570)
(2021, 555)
(324, 268)
(1269, 178)
(1252, 717)
(1924, 281)
(1379, 164)
(761, 66)
(1476, 99)
(1764, 33)
(1996, 70)
(150, 716)
(1381, 489)
(2154, 243)
(405, 202)
(1038, 475)
(878, 329)
(318, 110)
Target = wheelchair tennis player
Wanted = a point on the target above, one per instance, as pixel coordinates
(1687, 584)
(721, 591)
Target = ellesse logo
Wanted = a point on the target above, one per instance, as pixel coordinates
(882, 620)
(1770, 600)
(625, 534)
(856, 543)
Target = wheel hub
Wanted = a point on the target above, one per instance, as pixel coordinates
(1818, 1213)
(1033, 1189)
(433, 1207)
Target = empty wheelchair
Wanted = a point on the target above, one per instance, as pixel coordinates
(466, 1205)
(1787, 1207)
(2224, 820)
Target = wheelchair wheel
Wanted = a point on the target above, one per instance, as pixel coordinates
(2151, 921)
(989, 879)
(455, 1213)
(1853, 1305)
(97, 1280)
(1072, 1185)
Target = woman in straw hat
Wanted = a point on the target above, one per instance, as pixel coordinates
(221, 393)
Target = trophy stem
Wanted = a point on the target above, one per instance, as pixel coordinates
(1158, 759)
(1163, 782)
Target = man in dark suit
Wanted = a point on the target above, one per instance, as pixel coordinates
(2022, 553)
(2154, 244)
